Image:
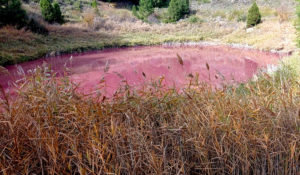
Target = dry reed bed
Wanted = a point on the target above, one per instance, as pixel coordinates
(249, 129)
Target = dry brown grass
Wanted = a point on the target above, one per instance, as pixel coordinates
(250, 129)
(88, 19)
(283, 14)
(271, 34)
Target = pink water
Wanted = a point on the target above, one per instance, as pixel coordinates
(140, 65)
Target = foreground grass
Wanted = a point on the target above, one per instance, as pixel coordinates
(253, 128)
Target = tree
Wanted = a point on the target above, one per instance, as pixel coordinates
(134, 11)
(57, 16)
(177, 9)
(11, 13)
(47, 10)
(254, 16)
(146, 8)
(51, 13)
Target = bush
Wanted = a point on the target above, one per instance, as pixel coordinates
(57, 16)
(78, 5)
(11, 13)
(47, 10)
(146, 8)
(94, 4)
(51, 13)
(177, 9)
(194, 19)
(134, 11)
(160, 3)
(254, 16)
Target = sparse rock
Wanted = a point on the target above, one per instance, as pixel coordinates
(290, 52)
(280, 48)
(52, 54)
(249, 30)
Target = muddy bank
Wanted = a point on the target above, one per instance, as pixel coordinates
(139, 65)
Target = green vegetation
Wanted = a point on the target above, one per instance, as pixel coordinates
(51, 13)
(47, 10)
(177, 9)
(238, 15)
(66, 40)
(254, 16)
(204, 1)
(11, 13)
(297, 23)
(194, 19)
(57, 16)
(145, 8)
(94, 4)
(160, 3)
(134, 11)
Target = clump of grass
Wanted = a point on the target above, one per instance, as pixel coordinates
(238, 15)
(204, 1)
(267, 11)
(195, 19)
(219, 13)
(249, 129)
(283, 14)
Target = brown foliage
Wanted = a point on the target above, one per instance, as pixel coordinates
(251, 130)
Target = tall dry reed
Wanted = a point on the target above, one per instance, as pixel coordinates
(253, 128)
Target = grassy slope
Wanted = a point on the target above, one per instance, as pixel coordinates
(117, 27)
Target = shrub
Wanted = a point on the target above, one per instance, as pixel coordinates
(160, 3)
(242, 18)
(134, 11)
(11, 13)
(51, 13)
(146, 8)
(47, 10)
(194, 19)
(57, 16)
(94, 4)
(254, 16)
(78, 5)
(177, 9)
